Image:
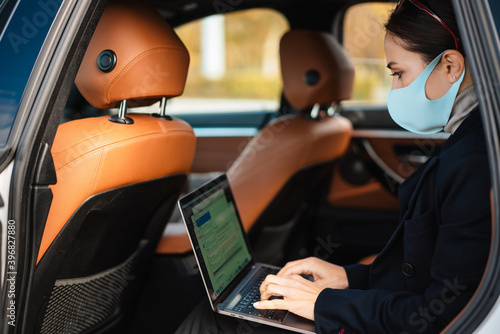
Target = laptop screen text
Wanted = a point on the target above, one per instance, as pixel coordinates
(219, 238)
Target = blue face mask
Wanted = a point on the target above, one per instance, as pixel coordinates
(411, 109)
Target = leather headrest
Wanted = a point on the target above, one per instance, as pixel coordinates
(151, 60)
(315, 69)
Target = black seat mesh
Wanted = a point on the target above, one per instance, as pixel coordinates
(78, 304)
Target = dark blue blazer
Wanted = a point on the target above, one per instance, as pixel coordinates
(435, 259)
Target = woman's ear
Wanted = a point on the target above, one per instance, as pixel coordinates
(453, 65)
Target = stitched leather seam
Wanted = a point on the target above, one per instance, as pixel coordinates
(94, 150)
(100, 144)
(97, 173)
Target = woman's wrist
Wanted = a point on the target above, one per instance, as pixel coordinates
(345, 280)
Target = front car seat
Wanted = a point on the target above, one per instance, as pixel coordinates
(278, 176)
(281, 172)
(118, 178)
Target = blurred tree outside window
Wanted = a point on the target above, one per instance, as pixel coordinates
(234, 62)
(364, 42)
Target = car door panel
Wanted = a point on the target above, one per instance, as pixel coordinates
(221, 137)
(369, 196)
(400, 156)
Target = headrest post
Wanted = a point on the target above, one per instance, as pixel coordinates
(163, 110)
(315, 111)
(122, 112)
(331, 109)
(163, 106)
(122, 115)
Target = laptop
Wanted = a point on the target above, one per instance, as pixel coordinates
(230, 274)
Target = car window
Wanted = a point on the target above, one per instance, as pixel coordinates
(495, 11)
(234, 62)
(364, 42)
(24, 26)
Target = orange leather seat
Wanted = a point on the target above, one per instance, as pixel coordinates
(281, 172)
(288, 161)
(368, 259)
(94, 155)
(118, 178)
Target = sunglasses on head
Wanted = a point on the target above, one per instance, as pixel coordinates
(421, 6)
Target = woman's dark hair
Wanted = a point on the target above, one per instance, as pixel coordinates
(423, 34)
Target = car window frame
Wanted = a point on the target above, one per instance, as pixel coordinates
(21, 12)
(40, 111)
(477, 29)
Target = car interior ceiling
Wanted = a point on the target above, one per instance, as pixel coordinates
(358, 232)
(296, 11)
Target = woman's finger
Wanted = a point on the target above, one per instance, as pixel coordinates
(276, 290)
(288, 281)
(296, 267)
(303, 308)
(272, 280)
(292, 287)
(274, 304)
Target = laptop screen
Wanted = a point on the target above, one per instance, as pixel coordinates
(216, 233)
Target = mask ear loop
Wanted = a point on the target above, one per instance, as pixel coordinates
(458, 80)
(436, 63)
(430, 68)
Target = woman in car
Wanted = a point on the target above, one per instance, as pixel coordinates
(434, 261)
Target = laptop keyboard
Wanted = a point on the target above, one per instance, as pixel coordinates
(252, 295)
